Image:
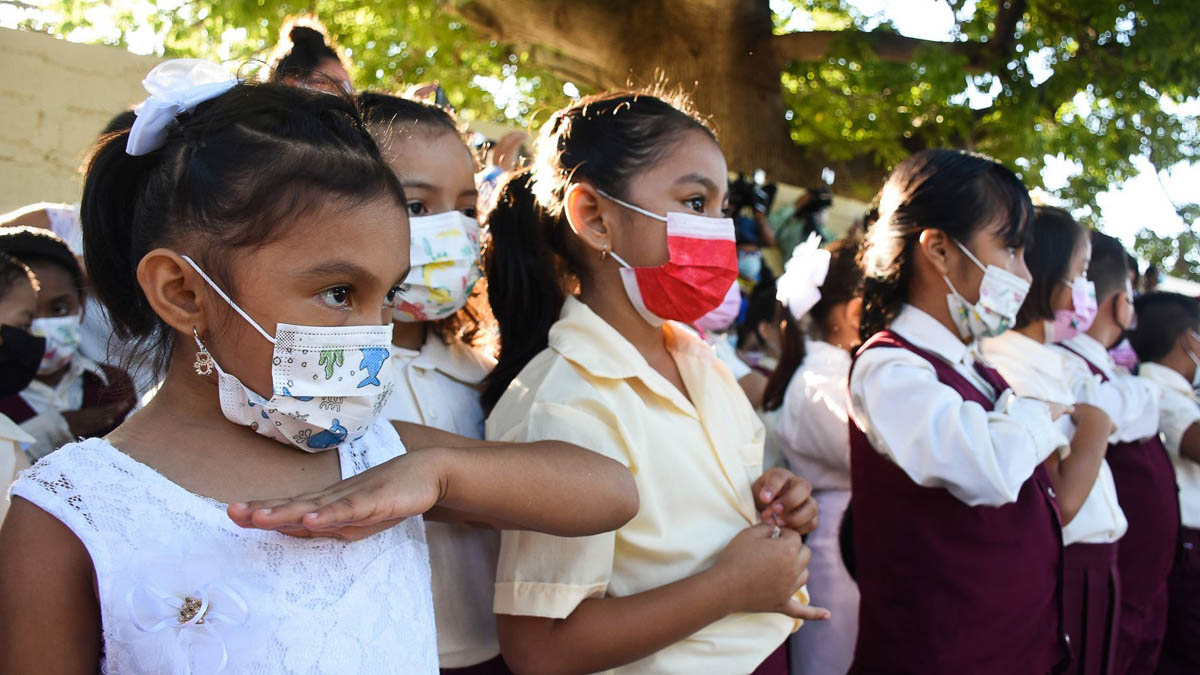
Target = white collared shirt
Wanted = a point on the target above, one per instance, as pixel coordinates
(1037, 370)
(1131, 402)
(439, 387)
(936, 437)
(1179, 410)
(811, 429)
(49, 427)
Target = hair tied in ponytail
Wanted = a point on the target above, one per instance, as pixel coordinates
(176, 86)
(799, 288)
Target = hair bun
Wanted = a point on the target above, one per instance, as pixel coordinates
(306, 35)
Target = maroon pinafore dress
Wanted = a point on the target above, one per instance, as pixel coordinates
(949, 588)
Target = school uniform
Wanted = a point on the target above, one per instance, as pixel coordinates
(811, 431)
(1145, 483)
(86, 384)
(1091, 583)
(1179, 410)
(956, 529)
(438, 386)
(693, 462)
(13, 441)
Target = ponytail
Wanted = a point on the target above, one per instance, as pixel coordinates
(526, 287)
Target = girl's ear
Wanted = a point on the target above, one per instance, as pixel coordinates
(935, 246)
(853, 312)
(585, 211)
(174, 290)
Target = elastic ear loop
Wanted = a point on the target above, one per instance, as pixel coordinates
(226, 298)
(631, 207)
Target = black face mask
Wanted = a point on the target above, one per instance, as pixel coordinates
(20, 356)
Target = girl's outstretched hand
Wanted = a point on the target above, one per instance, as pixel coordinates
(785, 500)
(354, 508)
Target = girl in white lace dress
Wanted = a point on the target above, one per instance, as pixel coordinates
(250, 236)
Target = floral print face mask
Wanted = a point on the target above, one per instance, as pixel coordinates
(1001, 294)
(445, 267)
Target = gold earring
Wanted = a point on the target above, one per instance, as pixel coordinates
(604, 253)
(204, 361)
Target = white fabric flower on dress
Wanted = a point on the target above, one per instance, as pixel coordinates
(185, 612)
(799, 288)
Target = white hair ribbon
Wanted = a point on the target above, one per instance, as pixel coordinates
(799, 288)
(175, 86)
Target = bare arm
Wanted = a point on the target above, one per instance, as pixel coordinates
(549, 486)
(755, 573)
(1074, 476)
(48, 607)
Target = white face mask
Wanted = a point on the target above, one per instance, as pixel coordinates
(1196, 360)
(62, 341)
(445, 267)
(1000, 296)
(329, 383)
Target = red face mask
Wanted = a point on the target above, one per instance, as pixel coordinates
(701, 266)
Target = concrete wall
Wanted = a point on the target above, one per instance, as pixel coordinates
(55, 97)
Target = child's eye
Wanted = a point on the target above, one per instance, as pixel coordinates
(470, 213)
(337, 296)
(416, 208)
(696, 204)
(396, 291)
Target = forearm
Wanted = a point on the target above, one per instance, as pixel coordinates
(1077, 473)
(604, 633)
(1189, 444)
(548, 486)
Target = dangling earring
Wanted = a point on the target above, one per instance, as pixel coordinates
(204, 360)
(604, 253)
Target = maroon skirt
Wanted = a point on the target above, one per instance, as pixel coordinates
(1181, 649)
(775, 664)
(1091, 605)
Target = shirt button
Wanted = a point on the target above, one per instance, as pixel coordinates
(1189, 545)
(1050, 491)
(433, 415)
(1067, 638)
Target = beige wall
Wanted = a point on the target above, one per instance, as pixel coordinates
(55, 97)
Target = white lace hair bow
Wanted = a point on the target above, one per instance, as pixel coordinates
(176, 86)
(799, 288)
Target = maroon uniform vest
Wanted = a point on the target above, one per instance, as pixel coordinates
(947, 587)
(95, 394)
(1149, 496)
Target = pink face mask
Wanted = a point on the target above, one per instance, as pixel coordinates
(723, 317)
(1071, 322)
(695, 280)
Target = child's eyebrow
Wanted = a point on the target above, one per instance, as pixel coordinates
(698, 178)
(340, 268)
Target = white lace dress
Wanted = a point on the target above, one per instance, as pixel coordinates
(184, 590)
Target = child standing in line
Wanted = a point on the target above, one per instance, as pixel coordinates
(1167, 341)
(1140, 465)
(956, 530)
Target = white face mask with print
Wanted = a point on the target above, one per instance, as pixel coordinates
(445, 267)
(329, 383)
(1000, 296)
(62, 341)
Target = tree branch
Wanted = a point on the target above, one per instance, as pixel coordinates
(816, 46)
(1004, 34)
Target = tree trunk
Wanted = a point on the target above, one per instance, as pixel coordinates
(718, 51)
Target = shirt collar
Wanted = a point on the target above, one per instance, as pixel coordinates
(457, 361)
(590, 342)
(1166, 377)
(926, 332)
(1030, 366)
(1091, 349)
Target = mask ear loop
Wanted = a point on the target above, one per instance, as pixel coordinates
(226, 298)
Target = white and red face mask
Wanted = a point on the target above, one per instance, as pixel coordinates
(701, 266)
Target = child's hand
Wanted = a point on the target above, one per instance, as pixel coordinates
(353, 509)
(785, 500)
(1090, 416)
(1057, 410)
(762, 574)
